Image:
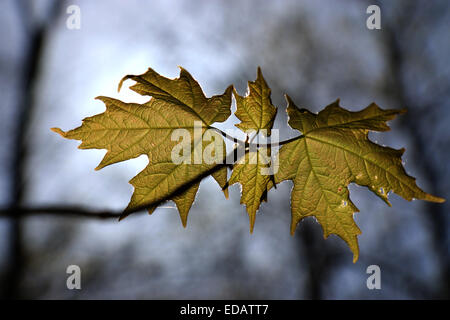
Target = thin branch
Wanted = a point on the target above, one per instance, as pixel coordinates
(248, 144)
(59, 210)
(83, 212)
(68, 211)
(103, 214)
(35, 34)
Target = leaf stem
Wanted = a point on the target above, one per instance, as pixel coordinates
(248, 144)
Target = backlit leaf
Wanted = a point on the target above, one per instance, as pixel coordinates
(128, 130)
(255, 110)
(333, 152)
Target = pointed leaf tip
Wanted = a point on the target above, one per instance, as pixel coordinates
(252, 222)
(293, 225)
(288, 99)
(184, 221)
(127, 77)
(58, 131)
(121, 83)
(123, 215)
(431, 198)
(259, 73)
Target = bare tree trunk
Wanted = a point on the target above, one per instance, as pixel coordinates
(410, 122)
(314, 259)
(33, 53)
(318, 259)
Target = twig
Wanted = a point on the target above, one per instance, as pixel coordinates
(59, 210)
(248, 144)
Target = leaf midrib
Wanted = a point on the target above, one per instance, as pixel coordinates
(323, 193)
(342, 125)
(365, 159)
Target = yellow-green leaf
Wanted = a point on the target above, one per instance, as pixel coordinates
(128, 130)
(252, 172)
(255, 110)
(333, 152)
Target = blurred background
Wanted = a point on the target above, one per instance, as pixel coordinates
(315, 51)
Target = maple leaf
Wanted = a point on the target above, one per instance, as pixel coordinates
(333, 152)
(255, 110)
(257, 114)
(128, 130)
(249, 172)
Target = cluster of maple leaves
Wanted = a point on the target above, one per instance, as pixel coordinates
(332, 151)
